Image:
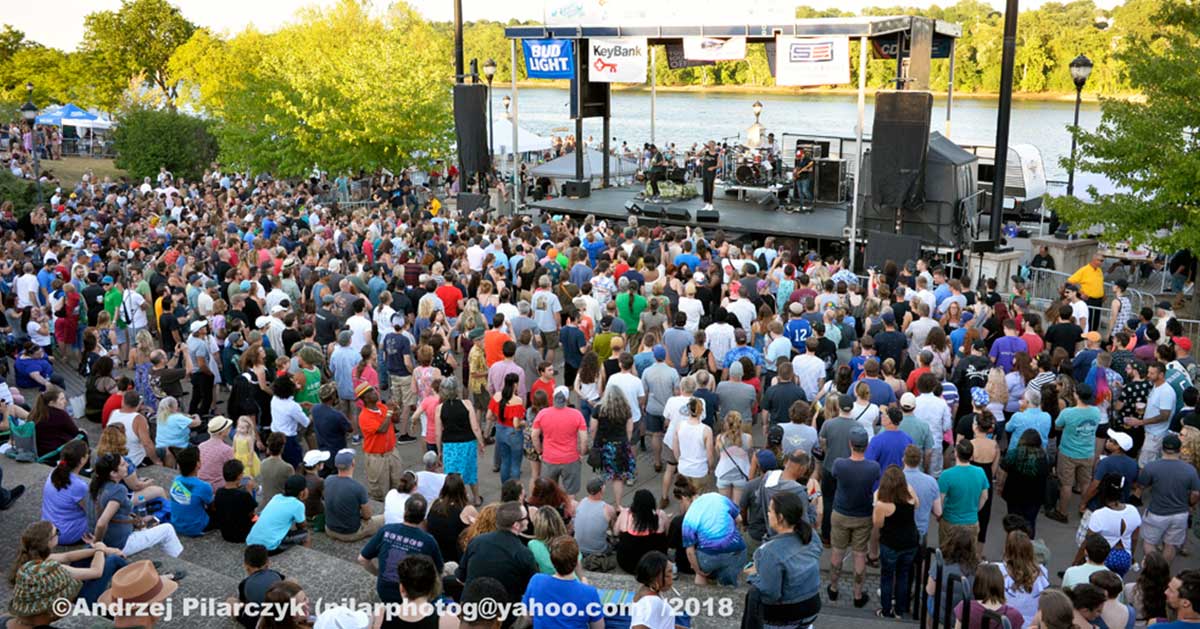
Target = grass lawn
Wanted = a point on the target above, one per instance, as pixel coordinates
(69, 170)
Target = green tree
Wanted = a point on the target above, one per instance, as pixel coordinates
(1150, 149)
(146, 139)
(138, 38)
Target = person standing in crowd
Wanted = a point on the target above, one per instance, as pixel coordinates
(1174, 491)
(1088, 283)
(894, 516)
(1075, 449)
(851, 522)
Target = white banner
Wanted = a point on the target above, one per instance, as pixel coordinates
(643, 13)
(812, 60)
(714, 48)
(617, 60)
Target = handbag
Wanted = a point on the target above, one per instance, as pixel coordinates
(595, 457)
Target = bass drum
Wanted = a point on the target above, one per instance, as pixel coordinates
(748, 174)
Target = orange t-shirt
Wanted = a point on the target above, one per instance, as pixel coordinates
(369, 420)
(493, 346)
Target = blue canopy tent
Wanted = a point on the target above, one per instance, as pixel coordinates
(71, 115)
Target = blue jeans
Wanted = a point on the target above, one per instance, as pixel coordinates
(92, 590)
(586, 410)
(803, 188)
(895, 572)
(510, 442)
(726, 568)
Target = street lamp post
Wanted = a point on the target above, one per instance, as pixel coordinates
(29, 112)
(757, 107)
(489, 71)
(1081, 69)
(507, 100)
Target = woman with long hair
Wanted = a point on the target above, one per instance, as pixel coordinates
(1026, 467)
(449, 516)
(960, 554)
(139, 362)
(986, 456)
(889, 376)
(365, 370)
(589, 384)
(733, 463)
(1117, 522)
(112, 441)
(987, 591)
(506, 410)
(785, 574)
(55, 428)
(894, 517)
(485, 522)
(64, 494)
(640, 528)
(1148, 593)
(116, 524)
(1024, 577)
(98, 563)
(939, 345)
(1017, 380)
(100, 385)
(287, 607)
(702, 358)
(611, 430)
(693, 446)
(997, 390)
(548, 493)
(547, 525)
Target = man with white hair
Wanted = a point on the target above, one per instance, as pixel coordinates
(560, 437)
(430, 479)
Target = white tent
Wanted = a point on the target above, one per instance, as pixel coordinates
(527, 141)
(593, 166)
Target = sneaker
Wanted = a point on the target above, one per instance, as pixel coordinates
(406, 439)
(1057, 516)
(356, 440)
(13, 494)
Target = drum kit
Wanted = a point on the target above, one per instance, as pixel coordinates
(753, 167)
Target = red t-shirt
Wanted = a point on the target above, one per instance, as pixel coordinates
(112, 404)
(369, 421)
(912, 377)
(541, 385)
(493, 346)
(1035, 344)
(450, 297)
(560, 434)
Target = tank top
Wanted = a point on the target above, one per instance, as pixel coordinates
(899, 531)
(1126, 311)
(693, 459)
(591, 526)
(445, 530)
(125, 420)
(456, 422)
(428, 622)
(312, 384)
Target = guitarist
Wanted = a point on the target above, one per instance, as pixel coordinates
(802, 177)
(658, 169)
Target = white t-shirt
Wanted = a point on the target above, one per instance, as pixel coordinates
(694, 309)
(693, 456)
(429, 485)
(132, 301)
(631, 386)
(361, 327)
(652, 612)
(867, 416)
(1107, 522)
(25, 285)
(1079, 310)
(675, 413)
(809, 371)
(1162, 398)
(393, 507)
(383, 323)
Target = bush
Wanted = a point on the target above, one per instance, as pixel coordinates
(21, 192)
(146, 139)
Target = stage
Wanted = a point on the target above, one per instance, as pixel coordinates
(824, 223)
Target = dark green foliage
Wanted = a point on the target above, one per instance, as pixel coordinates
(146, 139)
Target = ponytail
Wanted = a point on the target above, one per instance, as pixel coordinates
(74, 452)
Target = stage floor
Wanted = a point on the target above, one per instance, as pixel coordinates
(748, 218)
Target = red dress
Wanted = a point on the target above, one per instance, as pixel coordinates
(66, 328)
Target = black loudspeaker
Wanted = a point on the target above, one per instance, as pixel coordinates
(708, 216)
(588, 99)
(677, 175)
(470, 125)
(468, 202)
(899, 143)
(830, 173)
(883, 246)
(577, 188)
(769, 202)
(654, 210)
(677, 213)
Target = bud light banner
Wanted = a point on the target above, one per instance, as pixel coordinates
(812, 60)
(617, 60)
(549, 58)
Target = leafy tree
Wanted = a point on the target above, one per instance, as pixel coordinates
(138, 38)
(146, 139)
(11, 40)
(1150, 149)
(22, 192)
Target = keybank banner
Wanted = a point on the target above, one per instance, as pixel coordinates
(549, 58)
(617, 60)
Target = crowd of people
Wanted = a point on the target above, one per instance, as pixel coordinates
(265, 347)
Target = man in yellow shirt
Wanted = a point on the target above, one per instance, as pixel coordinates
(1090, 279)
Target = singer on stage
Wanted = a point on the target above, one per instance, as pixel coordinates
(708, 171)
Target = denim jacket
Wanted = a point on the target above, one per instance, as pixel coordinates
(787, 570)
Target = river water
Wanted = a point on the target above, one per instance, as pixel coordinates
(687, 117)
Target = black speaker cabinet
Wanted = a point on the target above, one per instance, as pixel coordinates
(830, 174)
(899, 145)
(678, 213)
(577, 188)
(708, 216)
(468, 202)
(654, 210)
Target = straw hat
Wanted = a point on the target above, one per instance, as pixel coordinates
(138, 582)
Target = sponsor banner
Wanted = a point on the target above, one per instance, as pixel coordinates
(549, 58)
(576, 13)
(714, 48)
(617, 60)
(805, 61)
(886, 48)
(676, 60)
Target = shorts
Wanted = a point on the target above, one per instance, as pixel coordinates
(567, 475)
(701, 484)
(732, 478)
(1165, 529)
(550, 340)
(668, 456)
(1074, 473)
(654, 423)
(402, 391)
(850, 532)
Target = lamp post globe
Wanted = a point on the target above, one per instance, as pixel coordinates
(757, 108)
(489, 69)
(1081, 69)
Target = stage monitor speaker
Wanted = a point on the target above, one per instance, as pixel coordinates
(899, 143)
(654, 210)
(577, 188)
(769, 202)
(468, 202)
(678, 213)
(708, 216)
(884, 246)
(470, 125)
(830, 173)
